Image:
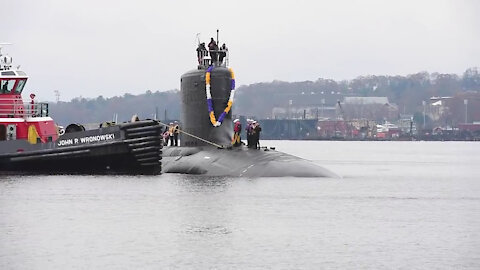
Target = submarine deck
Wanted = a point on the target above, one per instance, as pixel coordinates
(238, 162)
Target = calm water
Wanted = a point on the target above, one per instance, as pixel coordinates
(410, 205)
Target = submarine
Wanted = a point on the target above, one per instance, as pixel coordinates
(207, 96)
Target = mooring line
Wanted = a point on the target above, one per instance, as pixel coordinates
(193, 136)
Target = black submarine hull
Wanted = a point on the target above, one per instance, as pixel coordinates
(128, 148)
(238, 162)
(206, 146)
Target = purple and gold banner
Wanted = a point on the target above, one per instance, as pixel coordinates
(211, 113)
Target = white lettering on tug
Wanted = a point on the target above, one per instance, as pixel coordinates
(88, 139)
(97, 138)
(65, 142)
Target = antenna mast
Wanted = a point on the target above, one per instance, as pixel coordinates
(5, 61)
(198, 38)
(3, 44)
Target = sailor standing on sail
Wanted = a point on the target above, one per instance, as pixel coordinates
(201, 52)
(213, 48)
(222, 53)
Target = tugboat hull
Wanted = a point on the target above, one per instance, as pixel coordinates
(130, 148)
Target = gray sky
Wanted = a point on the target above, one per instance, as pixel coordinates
(111, 47)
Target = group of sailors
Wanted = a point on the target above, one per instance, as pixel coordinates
(252, 129)
(171, 134)
(217, 54)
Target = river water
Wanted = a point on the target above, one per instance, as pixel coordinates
(409, 205)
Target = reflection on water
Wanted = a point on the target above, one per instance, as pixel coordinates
(398, 205)
(203, 183)
(208, 230)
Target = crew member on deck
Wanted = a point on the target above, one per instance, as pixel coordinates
(171, 130)
(176, 131)
(237, 129)
(249, 130)
(166, 136)
(256, 131)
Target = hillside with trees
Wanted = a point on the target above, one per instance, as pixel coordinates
(100, 109)
(407, 92)
(259, 99)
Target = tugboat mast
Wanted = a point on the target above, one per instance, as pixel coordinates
(5, 60)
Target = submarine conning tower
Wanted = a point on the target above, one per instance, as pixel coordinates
(206, 90)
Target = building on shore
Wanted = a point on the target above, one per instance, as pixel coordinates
(374, 108)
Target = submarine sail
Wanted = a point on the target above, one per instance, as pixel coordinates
(195, 116)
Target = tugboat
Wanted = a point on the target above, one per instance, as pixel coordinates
(30, 141)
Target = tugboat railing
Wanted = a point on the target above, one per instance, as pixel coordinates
(14, 108)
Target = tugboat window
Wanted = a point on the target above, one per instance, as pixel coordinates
(7, 86)
(8, 73)
(20, 85)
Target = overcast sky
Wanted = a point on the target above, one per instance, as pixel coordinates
(111, 47)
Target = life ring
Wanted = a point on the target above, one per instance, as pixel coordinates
(211, 113)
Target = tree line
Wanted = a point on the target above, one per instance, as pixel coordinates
(259, 99)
